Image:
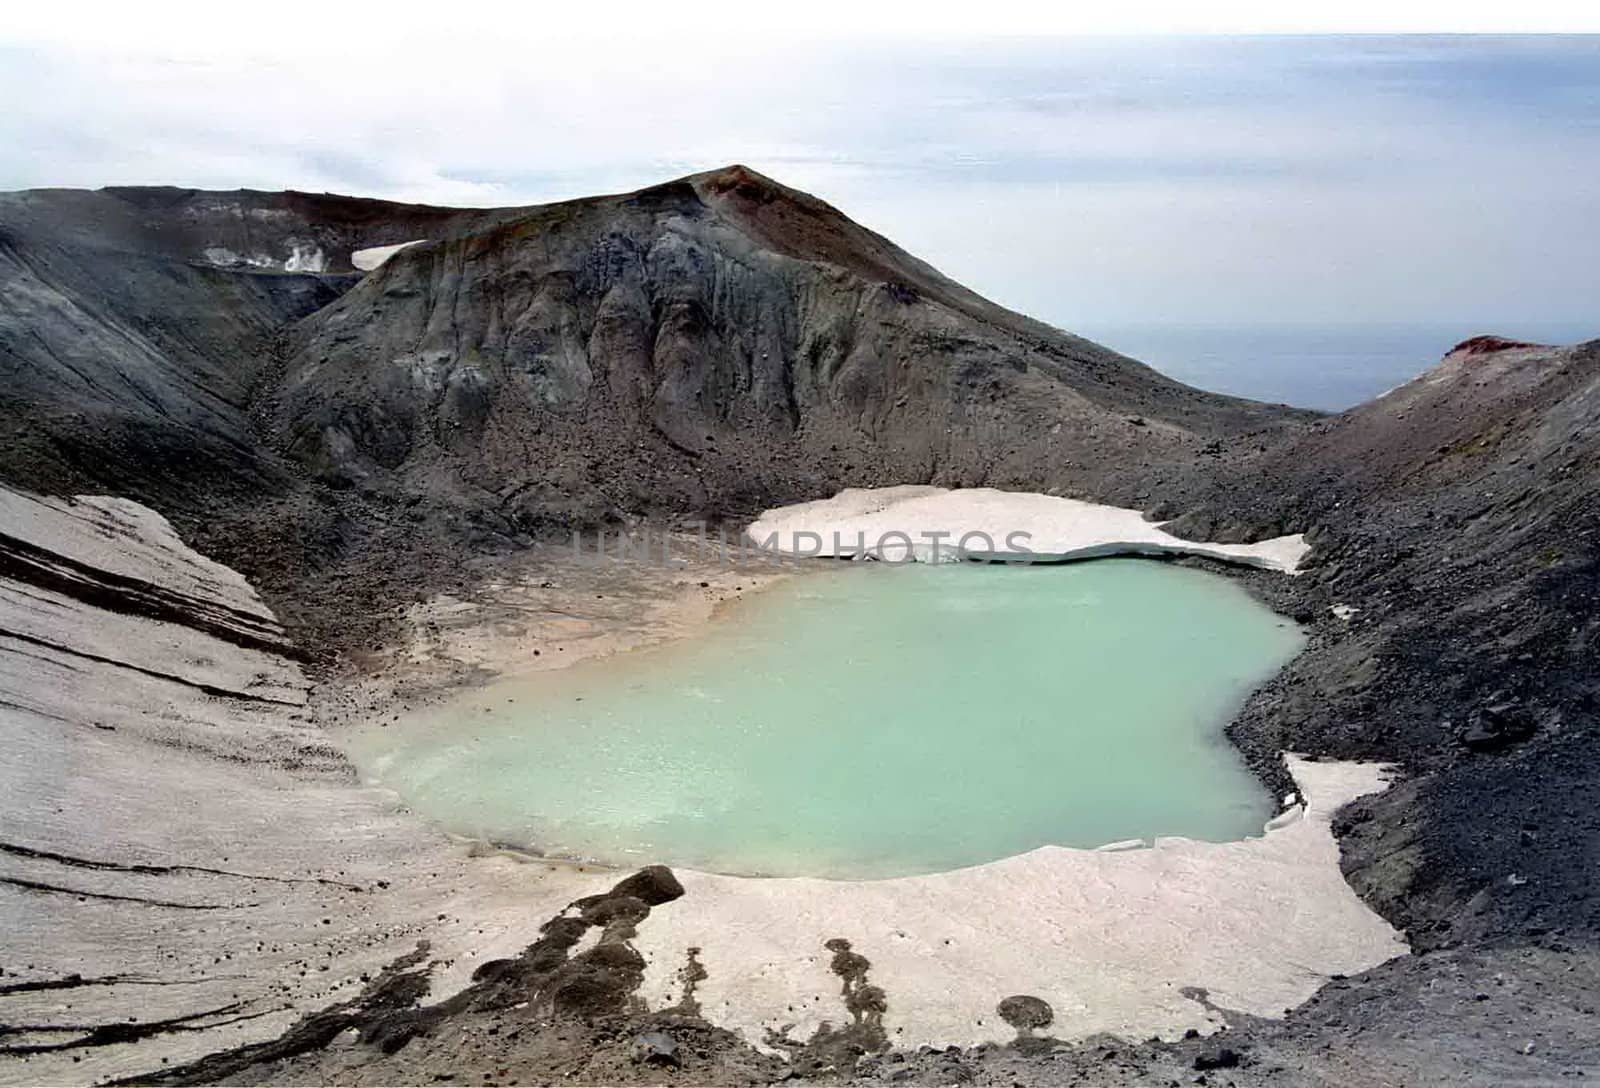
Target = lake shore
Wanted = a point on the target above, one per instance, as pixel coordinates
(1205, 898)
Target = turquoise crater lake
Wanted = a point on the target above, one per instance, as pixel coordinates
(870, 721)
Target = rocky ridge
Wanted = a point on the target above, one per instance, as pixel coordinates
(716, 345)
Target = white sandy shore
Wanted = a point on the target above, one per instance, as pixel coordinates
(1110, 939)
(167, 746)
(929, 524)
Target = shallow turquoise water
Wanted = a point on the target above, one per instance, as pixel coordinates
(871, 721)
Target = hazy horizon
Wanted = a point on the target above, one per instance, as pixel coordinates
(1089, 182)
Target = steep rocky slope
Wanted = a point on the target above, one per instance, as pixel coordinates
(702, 349)
(177, 835)
(712, 346)
(1457, 515)
(709, 346)
(134, 322)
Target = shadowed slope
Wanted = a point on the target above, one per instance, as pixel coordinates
(711, 345)
(136, 322)
(1457, 517)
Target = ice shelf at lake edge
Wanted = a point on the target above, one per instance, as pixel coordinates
(899, 523)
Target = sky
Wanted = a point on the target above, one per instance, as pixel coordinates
(1085, 180)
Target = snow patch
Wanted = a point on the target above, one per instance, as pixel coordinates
(936, 524)
(372, 257)
(306, 259)
(301, 258)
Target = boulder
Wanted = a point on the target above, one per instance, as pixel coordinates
(655, 1048)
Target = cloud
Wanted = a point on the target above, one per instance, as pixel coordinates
(1188, 180)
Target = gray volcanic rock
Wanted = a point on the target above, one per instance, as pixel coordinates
(135, 323)
(1458, 515)
(712, 345)
(701, 349)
